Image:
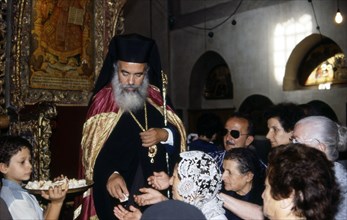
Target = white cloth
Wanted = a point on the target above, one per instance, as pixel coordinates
(201, 181)
(341, 176)
(20, 203)
(213, 210)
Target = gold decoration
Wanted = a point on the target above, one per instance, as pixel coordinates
(3, 29)
(61, 45)
(36, 127)
(165, 83)
(152, 150)
(107, 21)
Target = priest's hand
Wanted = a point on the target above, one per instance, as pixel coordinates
(153, 136)
(116, 187)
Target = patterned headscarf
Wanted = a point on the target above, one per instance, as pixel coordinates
(200, 182)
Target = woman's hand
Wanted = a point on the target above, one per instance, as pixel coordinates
(123, 214)
(159, 180)
(149, 197)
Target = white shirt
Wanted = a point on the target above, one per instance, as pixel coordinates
(20, 203)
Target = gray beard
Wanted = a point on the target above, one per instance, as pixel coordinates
(129, 100)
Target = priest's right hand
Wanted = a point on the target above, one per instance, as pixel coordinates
(116, 187)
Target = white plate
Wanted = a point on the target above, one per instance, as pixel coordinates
(71, 190)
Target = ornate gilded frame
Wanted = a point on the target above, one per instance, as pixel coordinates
(107, 22)
(15, 24)
(3, 12)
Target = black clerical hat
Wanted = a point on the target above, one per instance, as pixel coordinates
(134, 48)
(131, 48)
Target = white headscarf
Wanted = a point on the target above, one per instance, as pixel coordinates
(200, 182)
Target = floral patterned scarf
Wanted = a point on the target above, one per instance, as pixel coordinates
(200, 182)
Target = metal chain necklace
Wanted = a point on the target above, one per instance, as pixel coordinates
(152, 150)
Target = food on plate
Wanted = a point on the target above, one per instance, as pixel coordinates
(46, 184)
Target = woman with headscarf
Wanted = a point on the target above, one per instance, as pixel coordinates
(196, 180)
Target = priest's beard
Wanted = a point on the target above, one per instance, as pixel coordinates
(130, 100)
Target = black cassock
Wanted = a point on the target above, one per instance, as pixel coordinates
(123, 152)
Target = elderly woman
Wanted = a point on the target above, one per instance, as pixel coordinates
(243, 178)
(329, 137)
(196, 180)
(300, 184)
(281, 119)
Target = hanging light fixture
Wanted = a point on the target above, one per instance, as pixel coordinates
(338, 16)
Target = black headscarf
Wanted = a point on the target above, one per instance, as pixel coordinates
(130, 48)
(172, 209)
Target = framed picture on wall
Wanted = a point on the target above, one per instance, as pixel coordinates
(218, 83)
(57, 49)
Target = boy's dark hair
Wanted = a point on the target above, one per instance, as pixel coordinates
(10, 145)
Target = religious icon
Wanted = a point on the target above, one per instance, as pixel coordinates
(61, 56)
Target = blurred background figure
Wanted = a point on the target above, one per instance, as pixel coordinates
(208, 128)
(319, 108)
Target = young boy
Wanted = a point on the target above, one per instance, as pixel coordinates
(15, 166)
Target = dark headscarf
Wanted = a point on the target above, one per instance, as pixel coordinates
(172, 209)
(130, 48)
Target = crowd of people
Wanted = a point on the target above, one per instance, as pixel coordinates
(134, 148)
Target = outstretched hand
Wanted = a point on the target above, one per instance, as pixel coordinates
(149, 196)
(159, 180)
(132, 214)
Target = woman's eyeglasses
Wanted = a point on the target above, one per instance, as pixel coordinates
(233, 133)
(296, 141)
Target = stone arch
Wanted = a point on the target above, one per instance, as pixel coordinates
(301, 60)
(201, 69)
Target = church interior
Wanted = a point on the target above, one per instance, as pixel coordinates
(219, 56)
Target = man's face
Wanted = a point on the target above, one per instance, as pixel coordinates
(130, 85)
(131, 75)
(239, 125)
(276, 134)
